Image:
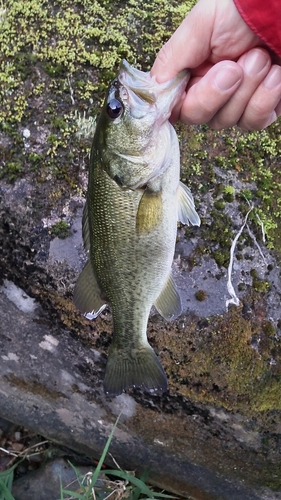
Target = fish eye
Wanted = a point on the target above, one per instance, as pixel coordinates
(114, 108)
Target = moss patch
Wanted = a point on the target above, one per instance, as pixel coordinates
(231, 360)
(57, 58)
(252, 158)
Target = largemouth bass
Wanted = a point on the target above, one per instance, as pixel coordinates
(134, 201)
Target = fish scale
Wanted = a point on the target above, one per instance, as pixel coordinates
(130, 271)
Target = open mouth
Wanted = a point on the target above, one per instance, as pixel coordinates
(138, 82)
(144, 95)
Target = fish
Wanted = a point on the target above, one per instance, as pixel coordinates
(133, 204)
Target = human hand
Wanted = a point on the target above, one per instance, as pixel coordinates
(233, 79)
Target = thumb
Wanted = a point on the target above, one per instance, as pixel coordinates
(189, 46)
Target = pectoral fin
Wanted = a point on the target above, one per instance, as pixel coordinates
(168, 304)
(150, 211)
(87, 294)
(187, 213)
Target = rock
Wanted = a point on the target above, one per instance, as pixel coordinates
(51, 383)
(216, 432)
(44, 483)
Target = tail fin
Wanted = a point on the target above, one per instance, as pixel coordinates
(138, 367)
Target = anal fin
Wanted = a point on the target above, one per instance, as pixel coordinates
(87, 294)
(168, 303)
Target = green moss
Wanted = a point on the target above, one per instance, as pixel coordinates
(268, 328)
(60, 230)
(219, 365)
(219, 204)
(11, 170)
(262, 286)
(221, 257)
(201, 295)
(247, 194)
(254, 273)
(241, 287)
(34, 160)
(228, 197)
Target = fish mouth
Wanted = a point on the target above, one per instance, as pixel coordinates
(163, 96)
(138, 82)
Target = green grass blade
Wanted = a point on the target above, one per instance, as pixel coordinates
(10, 479)
(5, 494)
(145, 490)
(162, 495)
(73, 494)
(139, 483)
(6, 479)
(77, 471)
(104, 453)
(5, 474)
(136, 491)
(61, 490)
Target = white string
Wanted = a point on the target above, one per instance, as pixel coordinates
(234, 299)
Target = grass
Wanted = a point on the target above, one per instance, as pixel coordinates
(7, 476)
(130, 486)
(6, 482)
(97, 484)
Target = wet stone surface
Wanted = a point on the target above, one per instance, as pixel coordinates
(215, 434)
(45, 482)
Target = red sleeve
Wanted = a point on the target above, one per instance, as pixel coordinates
(264, 18)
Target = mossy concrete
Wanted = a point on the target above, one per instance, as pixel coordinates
(51, 382)
(216, 432)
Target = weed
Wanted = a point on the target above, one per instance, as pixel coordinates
(93, 485)
(7, 476)
(6, 482)
(130, 487)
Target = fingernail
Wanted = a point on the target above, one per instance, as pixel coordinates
(226, 78)
(255, 61)
(273, 79)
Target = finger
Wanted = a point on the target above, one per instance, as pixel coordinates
(189, 46)
(211, 92)
(213, 30)
(265, 105)
(256, 64)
